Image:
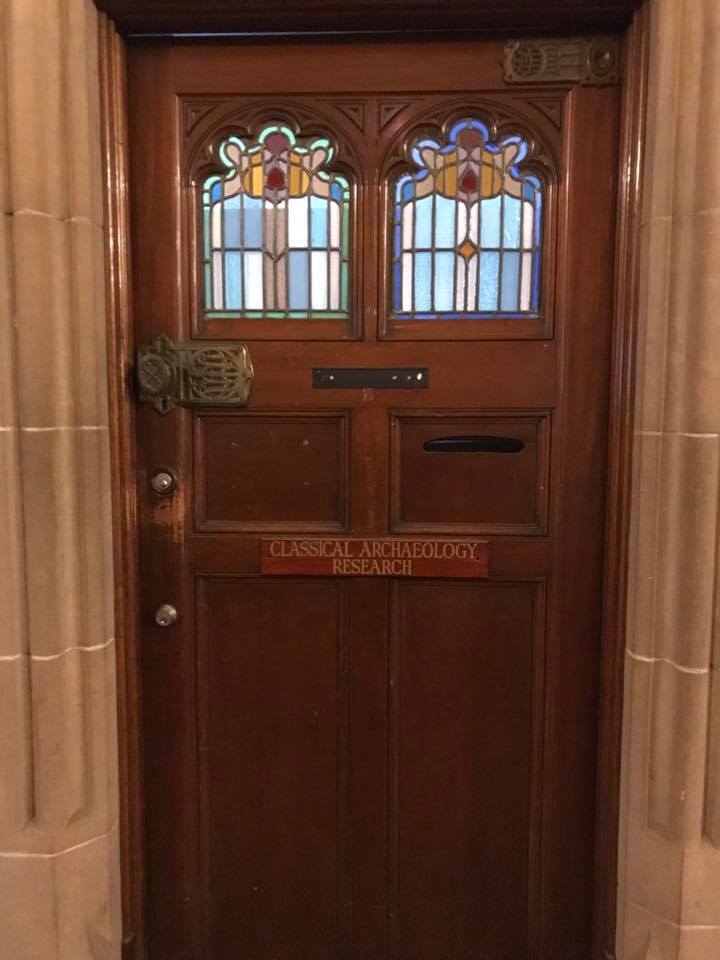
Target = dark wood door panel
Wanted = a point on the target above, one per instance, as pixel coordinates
(465, 666)
(272, 471)
(470, 473)
(273, 748)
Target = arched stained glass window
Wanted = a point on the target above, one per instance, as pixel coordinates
(467, 229)
(276, 230)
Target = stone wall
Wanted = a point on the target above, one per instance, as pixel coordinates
(58, 753)
(670, 861)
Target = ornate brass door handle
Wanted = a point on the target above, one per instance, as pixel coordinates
(193, 374)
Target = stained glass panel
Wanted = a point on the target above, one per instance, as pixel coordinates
(467, 229)
(276, 230)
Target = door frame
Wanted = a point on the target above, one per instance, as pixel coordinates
(160, 20)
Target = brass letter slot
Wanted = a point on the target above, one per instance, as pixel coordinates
(474, 445)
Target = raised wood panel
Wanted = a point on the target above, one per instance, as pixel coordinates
(470, 493)
(271, 472)
(485, 16)
(463, 677)
(273, 745)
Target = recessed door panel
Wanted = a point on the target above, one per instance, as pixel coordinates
(463, 670)
(470, 473)
(273, 471)
(273, 758)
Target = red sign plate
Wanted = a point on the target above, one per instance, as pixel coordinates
(375, 557)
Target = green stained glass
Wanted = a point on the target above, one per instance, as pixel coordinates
(276, 229)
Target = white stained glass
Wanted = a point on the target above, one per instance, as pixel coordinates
(298, 213)
(334, 281)
(473, 230)
(218, 297)
(526, 281)
(334, 223)
(217, 225)
(319, 279)
(472, 272)
(528, 224)
(460, 280)
(462, 223)
(407, 226)
(407, 282)
(253, 275)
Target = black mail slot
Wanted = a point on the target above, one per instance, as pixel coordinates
(375, 378)
(474, 444)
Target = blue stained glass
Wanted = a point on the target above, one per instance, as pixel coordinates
(510, 281)
(530, 190)
(397, 286)
(488, 286)
(465, 203)
(318, 222)
(233, 281)
(216, 192)
(423, 281)
(490, 222)
(231, 221)
(445, 213)
(462, 124)
(423, 223)
(298, 280)
(444, 276)
(511, 222)
(252, 222)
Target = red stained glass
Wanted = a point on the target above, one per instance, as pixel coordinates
(469, 182)
(277, 144)
(276, 180)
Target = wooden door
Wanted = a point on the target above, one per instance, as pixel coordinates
(364, 766)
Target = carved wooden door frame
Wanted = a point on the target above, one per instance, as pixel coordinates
(160, 19)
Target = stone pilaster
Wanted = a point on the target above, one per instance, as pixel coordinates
(670, 861)
(58, 750)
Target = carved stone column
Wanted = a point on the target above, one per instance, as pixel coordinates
(670, 856)
(58, 754)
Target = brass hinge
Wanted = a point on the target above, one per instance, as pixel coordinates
(172, 374)
(588, 61)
